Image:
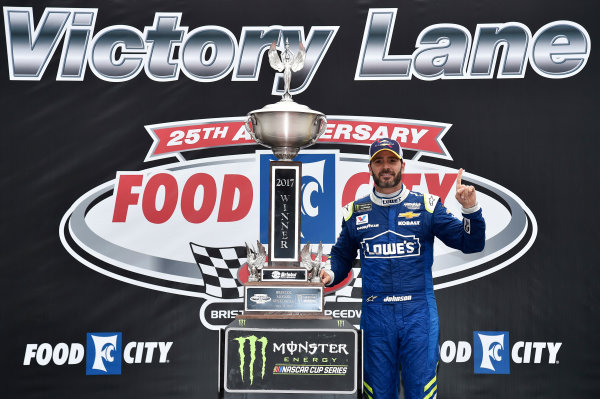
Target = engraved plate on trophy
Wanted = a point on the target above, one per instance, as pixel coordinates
(284, 213)
(297, 299)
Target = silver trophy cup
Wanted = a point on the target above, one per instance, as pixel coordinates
(286, 126)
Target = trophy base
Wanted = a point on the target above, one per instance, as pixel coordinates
(329, 352)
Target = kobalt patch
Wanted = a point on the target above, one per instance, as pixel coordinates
(409, 222)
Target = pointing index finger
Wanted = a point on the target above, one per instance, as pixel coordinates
(459, 177)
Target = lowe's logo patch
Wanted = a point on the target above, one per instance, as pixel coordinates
(404, 246)
(491, 354)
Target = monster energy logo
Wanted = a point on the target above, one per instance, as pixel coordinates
(252, 339)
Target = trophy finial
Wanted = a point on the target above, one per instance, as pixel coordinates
(287, 63)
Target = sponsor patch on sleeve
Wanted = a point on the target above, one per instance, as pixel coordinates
(366, 207)
(430, 201)
(362, 219)
(347, 210)
(467, 225)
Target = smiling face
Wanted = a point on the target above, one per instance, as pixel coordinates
(386, 169)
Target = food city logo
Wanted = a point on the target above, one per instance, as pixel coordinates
(492, 352)
(104, 353)
(559, 49)
(181, 227)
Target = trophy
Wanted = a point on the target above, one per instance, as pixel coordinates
(288, 284)
(284, 282)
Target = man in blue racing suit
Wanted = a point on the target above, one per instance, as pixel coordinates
(394, 229)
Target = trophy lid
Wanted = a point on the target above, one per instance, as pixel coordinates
(286, 106)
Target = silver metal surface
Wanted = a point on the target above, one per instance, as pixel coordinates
(285, 127)
(313, 267)
(256, 261)
(287, 63)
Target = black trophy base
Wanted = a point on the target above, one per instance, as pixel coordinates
(290, 359)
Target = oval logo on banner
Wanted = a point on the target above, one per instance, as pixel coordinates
(182, 227)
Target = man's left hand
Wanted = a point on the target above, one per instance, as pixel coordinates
(465, 195)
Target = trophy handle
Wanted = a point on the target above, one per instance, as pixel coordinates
(323, 120)
(251, 118)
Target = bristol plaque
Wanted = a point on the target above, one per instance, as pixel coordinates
(283, 298)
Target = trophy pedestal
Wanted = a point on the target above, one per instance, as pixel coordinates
(299, 358)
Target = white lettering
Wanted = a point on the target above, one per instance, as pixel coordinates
(417, 134)
(553, 351)
(538, 347)
(76, 353)
(30, 350)
(448, 351)
(463, 352)
(60, 354)
(127, 352)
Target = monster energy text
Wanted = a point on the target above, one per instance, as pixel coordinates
(309, 348)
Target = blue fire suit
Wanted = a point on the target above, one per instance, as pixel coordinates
(399, 318)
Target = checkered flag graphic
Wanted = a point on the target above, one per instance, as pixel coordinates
(219, 268)
(354, 287)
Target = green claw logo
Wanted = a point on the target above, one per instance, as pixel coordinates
(252, 339)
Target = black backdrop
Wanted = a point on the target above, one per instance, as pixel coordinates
(534, 135)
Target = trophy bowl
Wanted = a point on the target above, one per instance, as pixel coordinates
(285, 127)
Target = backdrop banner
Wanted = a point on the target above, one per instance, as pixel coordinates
(131, 187)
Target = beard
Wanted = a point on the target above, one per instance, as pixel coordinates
(387, 184)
